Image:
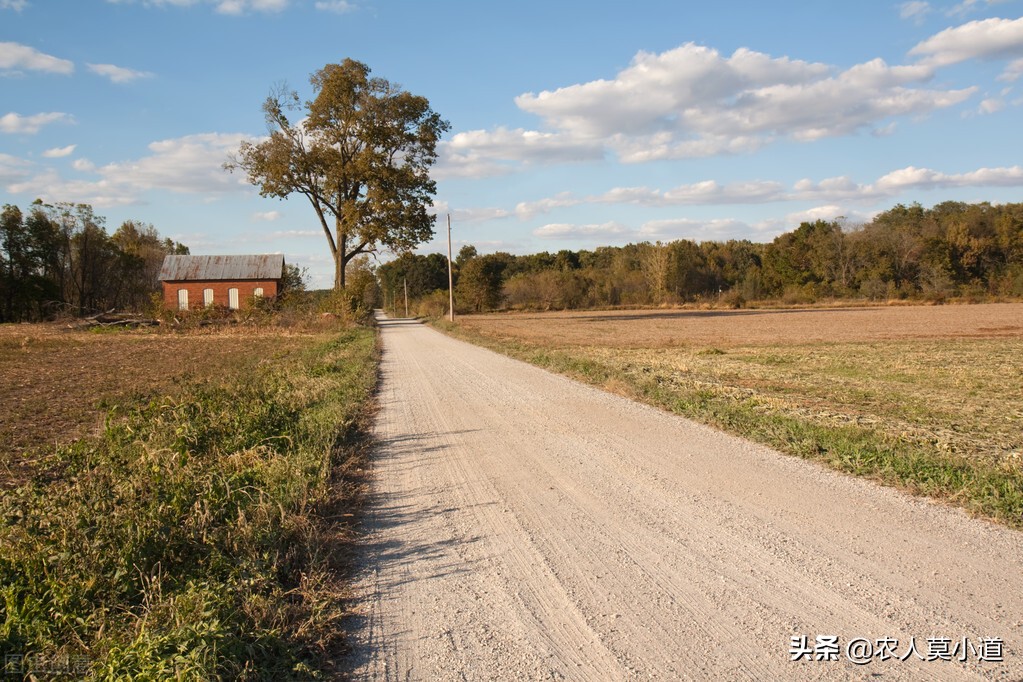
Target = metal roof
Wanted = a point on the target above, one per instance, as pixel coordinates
(202, 268)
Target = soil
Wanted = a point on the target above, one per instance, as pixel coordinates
(725, 328)
(58, 385)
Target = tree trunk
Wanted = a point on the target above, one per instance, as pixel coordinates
(340, 255)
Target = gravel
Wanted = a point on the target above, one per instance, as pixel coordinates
(525, 526)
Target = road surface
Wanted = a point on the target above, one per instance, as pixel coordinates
(525, 526)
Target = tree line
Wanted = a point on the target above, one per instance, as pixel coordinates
(57, 259)
(952, 250)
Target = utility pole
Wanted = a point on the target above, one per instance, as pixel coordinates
(451, 279)
(405, 284)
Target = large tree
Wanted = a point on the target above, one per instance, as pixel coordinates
(361, 155)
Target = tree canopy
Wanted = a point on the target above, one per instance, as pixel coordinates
(953, 250)
(361, 155)
(59, 258)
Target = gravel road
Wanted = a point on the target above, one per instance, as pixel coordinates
(524, 526)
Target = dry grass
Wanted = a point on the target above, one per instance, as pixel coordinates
(959, 397)
(56, 385)
(927, 390)
(203, 533)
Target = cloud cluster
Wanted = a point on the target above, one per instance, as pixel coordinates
(335, 6)
(915, 10)
(478, 153)
(59, 152)
(658, 230)
(711, 193)
(693, 102)
(15, 123)
(15, 57)
(604, 231)
(988, 39)
(230, 7)
(190, 164)
(719, 229)
(118, 74)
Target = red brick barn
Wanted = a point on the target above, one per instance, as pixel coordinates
(230, 281)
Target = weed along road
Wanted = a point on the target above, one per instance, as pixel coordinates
(524, 526)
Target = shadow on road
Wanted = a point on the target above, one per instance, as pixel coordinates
(397, 321)
(378, 545)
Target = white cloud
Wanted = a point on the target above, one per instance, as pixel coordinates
(925, 178)
(477, 215)
(707, 192)
(156, 3)
(118, 74)
(898, 181)
(268, 216)
(50, 186)
(186, 164)
(609, 230)
(710, 192)
(969, 6)
(479, 153)
(527, 209)
(239, 7)
(30, 125)
(1013, 71)
(915, 11)
(12, 169)
(59, 152)
(963, 8)
(810, 215)
(885, 131)
(15, 56)
(658, 92)
(654, 230)
(692, 102)
(336, 6)
(229, 7)
(191, 164)
(696, 230)
(286, 234)
(991, 105)
(16, 5)
(985, 39)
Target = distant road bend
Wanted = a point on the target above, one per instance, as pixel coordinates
(524, 526)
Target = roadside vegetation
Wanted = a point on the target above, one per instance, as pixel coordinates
(938, 416)
(199, 532)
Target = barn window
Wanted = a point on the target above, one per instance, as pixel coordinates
(232, 298)
(182, 299)
(258, 293)
(207, 297)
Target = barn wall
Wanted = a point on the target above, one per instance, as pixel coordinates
(246, 290)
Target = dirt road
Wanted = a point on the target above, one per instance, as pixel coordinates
(524, 526)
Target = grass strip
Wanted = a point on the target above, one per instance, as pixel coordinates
(991, 489)
(196, 538)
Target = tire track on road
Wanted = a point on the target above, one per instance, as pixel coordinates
(524, 526)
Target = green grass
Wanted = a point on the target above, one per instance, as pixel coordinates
(935, 417)
(196, 537)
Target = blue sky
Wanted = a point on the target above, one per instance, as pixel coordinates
(574, 124)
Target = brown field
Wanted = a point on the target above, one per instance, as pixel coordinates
(57, 385)
(944, 382)
(679, 328)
